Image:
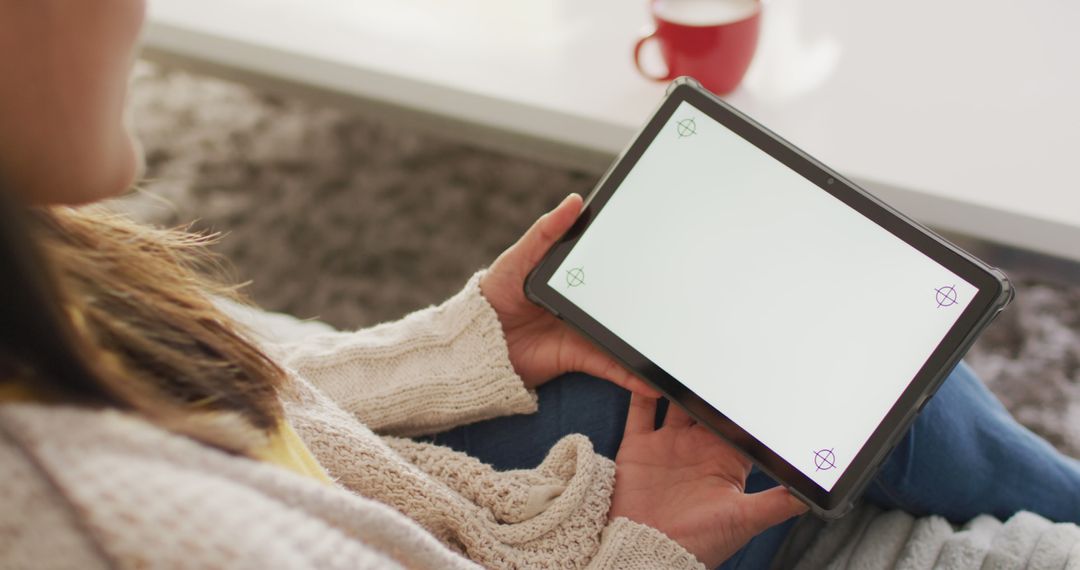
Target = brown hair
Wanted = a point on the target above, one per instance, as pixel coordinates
(98, 310)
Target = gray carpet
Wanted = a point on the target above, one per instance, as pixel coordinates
(356, 222)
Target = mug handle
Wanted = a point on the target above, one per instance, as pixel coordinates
(637, 59)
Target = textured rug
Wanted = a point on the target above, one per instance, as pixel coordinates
(355, 222)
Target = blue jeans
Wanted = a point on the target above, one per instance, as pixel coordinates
(964, 455)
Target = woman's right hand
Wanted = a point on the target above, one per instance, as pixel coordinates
(686, 482)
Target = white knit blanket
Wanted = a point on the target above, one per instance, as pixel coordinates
(870, 538)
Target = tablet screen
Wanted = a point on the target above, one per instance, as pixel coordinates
(779, 305)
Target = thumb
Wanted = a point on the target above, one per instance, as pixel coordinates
(769, 508)
(546, 231)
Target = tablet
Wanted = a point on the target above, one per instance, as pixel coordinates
(784, 307)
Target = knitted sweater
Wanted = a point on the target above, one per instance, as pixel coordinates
(94, 489)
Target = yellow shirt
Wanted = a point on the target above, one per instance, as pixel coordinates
(284, 448)
(287, 450)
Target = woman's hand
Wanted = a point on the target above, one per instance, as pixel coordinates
(688, 483)
(541, 346)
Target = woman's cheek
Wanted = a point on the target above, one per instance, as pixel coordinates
(131, 162)
(119, 155)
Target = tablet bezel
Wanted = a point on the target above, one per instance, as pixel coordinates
(994, 292)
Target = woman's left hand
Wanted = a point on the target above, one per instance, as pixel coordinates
(541, 346)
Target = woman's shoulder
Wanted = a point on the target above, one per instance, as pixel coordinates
(137, 492)
(97, 458)
(63, 434)
(37, 526)
(134, 491)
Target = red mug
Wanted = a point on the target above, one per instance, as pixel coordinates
(712, 41)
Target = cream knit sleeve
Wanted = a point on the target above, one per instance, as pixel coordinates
(627, 544)
(527, 518)
(437, 368)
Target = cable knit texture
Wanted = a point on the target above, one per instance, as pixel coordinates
(91, 489)
(872, 539)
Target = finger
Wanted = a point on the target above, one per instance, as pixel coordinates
(545, 231)
(634, 384)
(769, 508)
(614, 372)
(677, 417)
(596, 363)
(732, 454)
(641, 418)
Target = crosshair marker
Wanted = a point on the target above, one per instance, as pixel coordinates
(575, 276)
(686, 127)
(946, 296)
(824, 459)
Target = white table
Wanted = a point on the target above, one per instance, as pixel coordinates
(964, 114)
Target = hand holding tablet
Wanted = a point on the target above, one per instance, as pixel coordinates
(689, 484)
(783, 307)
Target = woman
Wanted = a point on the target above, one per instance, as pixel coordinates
(141, 425)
